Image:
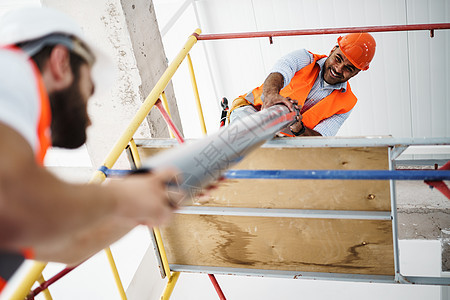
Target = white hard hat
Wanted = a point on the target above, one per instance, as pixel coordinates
(47, 26)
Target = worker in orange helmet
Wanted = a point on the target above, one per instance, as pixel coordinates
(49, 71)
(314, 84)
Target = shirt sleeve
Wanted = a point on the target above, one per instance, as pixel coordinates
(291, 63)
(19, 100)
(330, 126)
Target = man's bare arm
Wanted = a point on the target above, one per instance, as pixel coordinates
(271, 91)
(37, 208)
(34, 204)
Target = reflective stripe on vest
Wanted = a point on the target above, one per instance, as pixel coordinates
(43, 129)
(337, 102)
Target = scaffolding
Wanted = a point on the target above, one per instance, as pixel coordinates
(157, 98)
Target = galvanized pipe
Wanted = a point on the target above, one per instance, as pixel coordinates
(202, 162)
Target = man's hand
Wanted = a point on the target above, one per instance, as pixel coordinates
(297, 127)
(271, 92)
(147, 198)
(272, 99)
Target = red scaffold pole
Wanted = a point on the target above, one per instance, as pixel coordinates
(271, 34)
(169, 122)
(217, 287)
(46, 284)
(440, 185)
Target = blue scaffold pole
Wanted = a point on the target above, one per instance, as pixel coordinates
(430, 175)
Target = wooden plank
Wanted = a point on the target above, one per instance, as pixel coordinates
(304, 194)
(292, 244)
(352, 158)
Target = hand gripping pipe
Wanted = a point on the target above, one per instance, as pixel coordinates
(202, 162)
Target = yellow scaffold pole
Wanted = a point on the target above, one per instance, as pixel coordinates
(170, 285)
(171, 276)
(27, 283)
(134, 125)
(46, 292)
(197, 97)
(135, 153)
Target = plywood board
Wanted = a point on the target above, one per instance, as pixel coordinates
(304, 194)
(291, 244)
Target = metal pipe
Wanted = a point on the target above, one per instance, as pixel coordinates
(271, 34)
(431, 175)
(197, 97)
(202, 162)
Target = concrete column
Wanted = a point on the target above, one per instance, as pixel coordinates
(150, 58)
(104, 22)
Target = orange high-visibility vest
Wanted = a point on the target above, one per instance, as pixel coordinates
(337, 102)
(45, 116)
(44, 139)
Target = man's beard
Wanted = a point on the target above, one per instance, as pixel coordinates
(69, 117)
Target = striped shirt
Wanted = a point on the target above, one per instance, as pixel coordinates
(292, 63)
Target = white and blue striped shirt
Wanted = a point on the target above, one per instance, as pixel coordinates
(292, 63)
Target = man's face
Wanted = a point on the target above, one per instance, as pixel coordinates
(69, 111)
(338, 68)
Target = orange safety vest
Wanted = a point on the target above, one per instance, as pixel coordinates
(44, 138)
(337, 102)
(45, 115)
